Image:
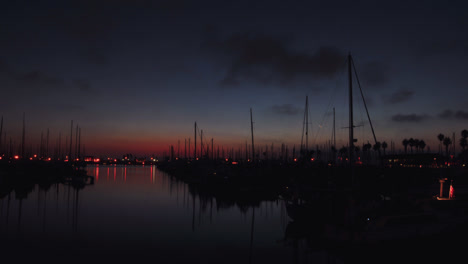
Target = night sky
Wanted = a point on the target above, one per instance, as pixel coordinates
(136, 75)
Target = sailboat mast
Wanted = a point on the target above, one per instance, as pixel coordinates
(1, 133)
(24, 135)
(71, 141)
(195, 148)
(79, 143)
(47, 144)
(251, 128)
(351, 126)
(307, 123)
(334, 131)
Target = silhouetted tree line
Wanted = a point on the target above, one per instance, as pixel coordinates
(419, 145)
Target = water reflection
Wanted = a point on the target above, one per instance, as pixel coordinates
(139, 210)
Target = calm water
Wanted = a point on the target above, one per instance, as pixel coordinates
(136, 212)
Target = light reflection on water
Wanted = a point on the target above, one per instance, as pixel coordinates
(139, 210)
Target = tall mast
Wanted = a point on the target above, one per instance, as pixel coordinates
(351, 128)
(195, 148)
(76, 142)
(79, 143)
(59, 143)
(24, 135)
(334, 131)
(251, 128)
(1, 133)
(47, 144)
(201, 143)
(71, 141)
(307, 122)
(41, 146)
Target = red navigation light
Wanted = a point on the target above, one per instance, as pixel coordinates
(226, 159)
(234, 163)
(49, 159)
(312, 159)
(29, 158)
(16, 157)
(35, 155)
(295, 159)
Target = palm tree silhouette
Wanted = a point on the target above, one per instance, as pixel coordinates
(447, 143)
(441, 138)
(384, 146)
(405, 143)
(411, 144)
(463, 143)
(464, 133)
(377, 146)
(422, 145)
(343, 151)
(365, 150)
(416, 144)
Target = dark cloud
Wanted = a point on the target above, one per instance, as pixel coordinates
(399, 96)
(267, 59)
(374, 73)
(411, 118)
(449, 114)
(35, 82)
(446, 114)
(461, 115)
(83, 85)
(38, 78)
(285, 109)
